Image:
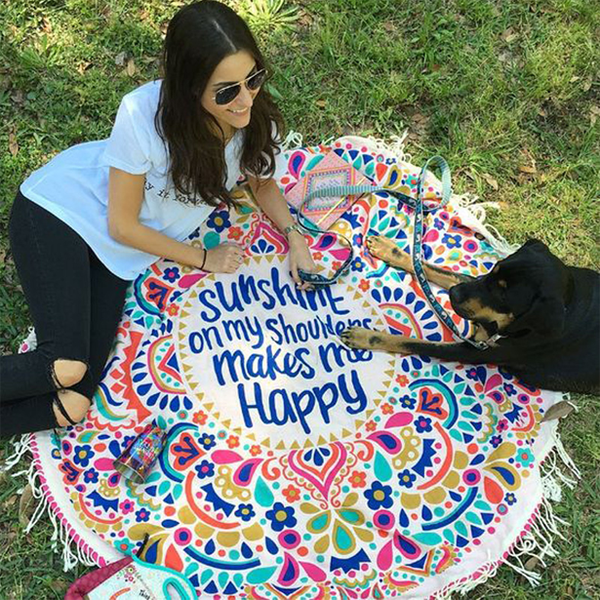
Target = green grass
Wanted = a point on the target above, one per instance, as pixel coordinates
(493, 86)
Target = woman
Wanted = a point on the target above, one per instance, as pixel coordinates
(97, 215)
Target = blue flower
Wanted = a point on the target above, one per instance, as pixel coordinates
(82, 455)
(379, 496)
(423, 424)
(406, 402)
(438, 223)
(281, 517)
(509, 388)
(194, 234)
(510, 498)
(452, 241)
(472, 374)
(207, 440)
(358, 264)
(358, 239)
(142, 515)
(171, 274)
(218, 220)
(205, 469)
(245, 512)
(406, 478)
(496, 440)
(91, 476)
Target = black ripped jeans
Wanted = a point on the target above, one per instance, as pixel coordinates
(75, 304)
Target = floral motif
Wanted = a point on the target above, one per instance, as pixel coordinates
(524, 457)
(245, 512)
(358, 479)
(171, 274)
(218, 220)
(205, 469)
(291, 493)
(142, 515)
(82, 455)
(207, 441)
(281, 516)
(406, 478)
(379, 496)
(423, 424)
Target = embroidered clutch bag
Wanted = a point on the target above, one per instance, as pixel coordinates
(331, 171)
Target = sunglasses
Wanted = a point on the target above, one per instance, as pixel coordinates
(230, 93)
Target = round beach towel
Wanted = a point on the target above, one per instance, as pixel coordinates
(296, 467)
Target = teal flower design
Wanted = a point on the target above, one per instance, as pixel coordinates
(524, 457)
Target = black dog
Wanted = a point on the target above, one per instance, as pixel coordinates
(547, 314)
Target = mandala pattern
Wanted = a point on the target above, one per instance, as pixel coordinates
(408, 493)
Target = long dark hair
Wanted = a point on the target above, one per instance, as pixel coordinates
(199, 37)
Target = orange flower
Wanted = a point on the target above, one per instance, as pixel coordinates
(291, 493)
(336, 264)
(172, 309)
(402, 380)
(317, 255)
(387, 409)
(363, 285)
(357, 479)
(370, 426)
(235, 233)
(233, 441)
(200, 417)
(255, 450)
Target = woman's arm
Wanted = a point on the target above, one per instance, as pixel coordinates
(125, 197)
(273, 204)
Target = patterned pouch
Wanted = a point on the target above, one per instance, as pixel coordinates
(132, 578)
(331, 171)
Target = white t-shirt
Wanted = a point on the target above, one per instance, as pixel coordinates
(73, 186)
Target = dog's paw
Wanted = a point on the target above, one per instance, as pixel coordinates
(385, 249)
(359, 337)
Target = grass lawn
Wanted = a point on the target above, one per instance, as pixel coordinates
(508, 91)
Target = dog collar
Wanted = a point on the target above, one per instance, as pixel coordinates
(484, 345)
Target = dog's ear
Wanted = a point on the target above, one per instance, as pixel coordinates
(535, 244)
(546, 317)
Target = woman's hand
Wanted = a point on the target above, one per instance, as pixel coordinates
(224, 258)
(300, 258)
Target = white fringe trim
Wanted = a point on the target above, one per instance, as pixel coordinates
(542, 528)
(72, 554)
(30, 342)
(293, 140)
(473, 215)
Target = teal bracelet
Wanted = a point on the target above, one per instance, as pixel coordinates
(289, 229)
